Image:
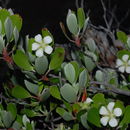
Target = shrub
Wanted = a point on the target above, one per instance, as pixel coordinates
(83, 84)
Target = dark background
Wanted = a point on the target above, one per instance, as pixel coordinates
(38, 14)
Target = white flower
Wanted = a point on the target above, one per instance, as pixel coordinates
(123, 64)
(109, 114)
(41, 45)
(88, 100)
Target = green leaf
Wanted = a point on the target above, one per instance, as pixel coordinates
(99, 75)
(120, 104)
(20, 92)
(41, 64)
(77, 69)
(68, 106)
(16, 35)
(76, 87)
(33, 88)
(16, 125)
(84, 121)
(93, 117)
(0, 27)
(68, 93)
(126, 118)
(98, 100)
(7, 118)
(45, 94)
(128, 42)
(21, 60)
(122, 52)
(70, 72)
(64, 114)
(3, 15)
(8, 28)
(71, 22)
(57, 58)
(52, 106)
(81, 17)
(122, 36)
(60, 111)
(29, 43)
(25, 120)
(54, 91)
(67, 116)
(30, 75)
(28, 112)
(2, 44)
(12, 108)
(16, 21)
(76, 126)
(83, 79)
(89, 63)
(91, 44)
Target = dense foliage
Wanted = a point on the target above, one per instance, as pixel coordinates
(83, 84)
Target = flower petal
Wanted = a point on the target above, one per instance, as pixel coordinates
(122, 69)
(103, 111)
(88, 100)
(47, 39)
(125, 57)
(39, 52)
(110, 106)
(119, 62)
(35, 46)
(128, 69)
(48, 49)
(104, 120)
(38, 38)
(113, 122)
(117, 112)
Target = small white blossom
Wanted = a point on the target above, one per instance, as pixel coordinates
(109, 114)
(41, 45)
(123, 64)
(88, 100)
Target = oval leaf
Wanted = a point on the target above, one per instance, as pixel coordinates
(41, 64)
(81, 17)
(57, 58)
(122, 36)
(54, 91)
(16, 21)
(21, 60)
(72, 24)
(93, 117)
(12, 108)
(83, 78)
(33, 88)
(70, 73)
(68, 93)
(8, 28)
(20, 92)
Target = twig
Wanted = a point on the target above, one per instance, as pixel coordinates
(57, 119)
(82, 3)
(111, 88)
(55, 76)
(105, 14)
(76, 3)
(2, 97)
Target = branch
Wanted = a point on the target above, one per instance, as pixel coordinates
(2, 97)
(76, 3)
(111, 88)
